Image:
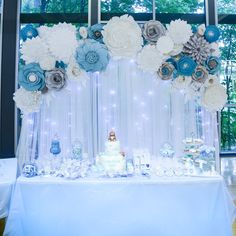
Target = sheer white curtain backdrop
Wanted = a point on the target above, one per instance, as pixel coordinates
(144, 111)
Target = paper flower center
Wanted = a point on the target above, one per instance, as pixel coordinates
(75, 71)
(56, 78)
(32, 77)
(91, 57)
(185, 65)
(212, 64)
(29, 34)
(97, 34)
(165, 71)
(152, 31)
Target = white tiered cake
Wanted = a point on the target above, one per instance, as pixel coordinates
(112, 161)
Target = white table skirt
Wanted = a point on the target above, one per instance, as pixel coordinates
(7, 180)
(120, 207)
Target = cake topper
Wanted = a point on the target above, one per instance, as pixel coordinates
(112, 136)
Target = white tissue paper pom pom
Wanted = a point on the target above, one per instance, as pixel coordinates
(27, 101)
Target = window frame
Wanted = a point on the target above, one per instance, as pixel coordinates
(210, 16)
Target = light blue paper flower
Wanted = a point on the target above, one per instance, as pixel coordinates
(28, 32)
(212, 33)
(31, 77)
(92, 56)
(95, 32)
(213, 64)
(186, 66)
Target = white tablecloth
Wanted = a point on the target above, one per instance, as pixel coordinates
(120, 207)
(7, 180)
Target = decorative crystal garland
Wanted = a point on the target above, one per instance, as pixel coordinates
(51, 56)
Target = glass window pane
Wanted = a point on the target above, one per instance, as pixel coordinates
(179, 6)
(228, 55)
(226, 6)
(228, 129)
(228, 79)
(228, 170)
(126, 6)
(228, 41)
(54, 6)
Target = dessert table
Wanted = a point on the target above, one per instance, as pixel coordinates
(176, 206)
(7, 179)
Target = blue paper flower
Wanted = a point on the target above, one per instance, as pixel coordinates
(212, 33)
(166, 71)
(28, 32)
(186, 66)
(61, 64)
(95, 32)
(212, 64)
(31, 77)
(92, 56)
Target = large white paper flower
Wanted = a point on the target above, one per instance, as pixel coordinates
(123, 36)
(62, 41)
(27, 101)
(33, 50)
(182, 82)
(180, 31)
(44, 31)
(149, 59)
(214, 97)
(47, 62)
(165, 44)
(74, 72)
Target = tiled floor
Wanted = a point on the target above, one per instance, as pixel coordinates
(2, 223)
